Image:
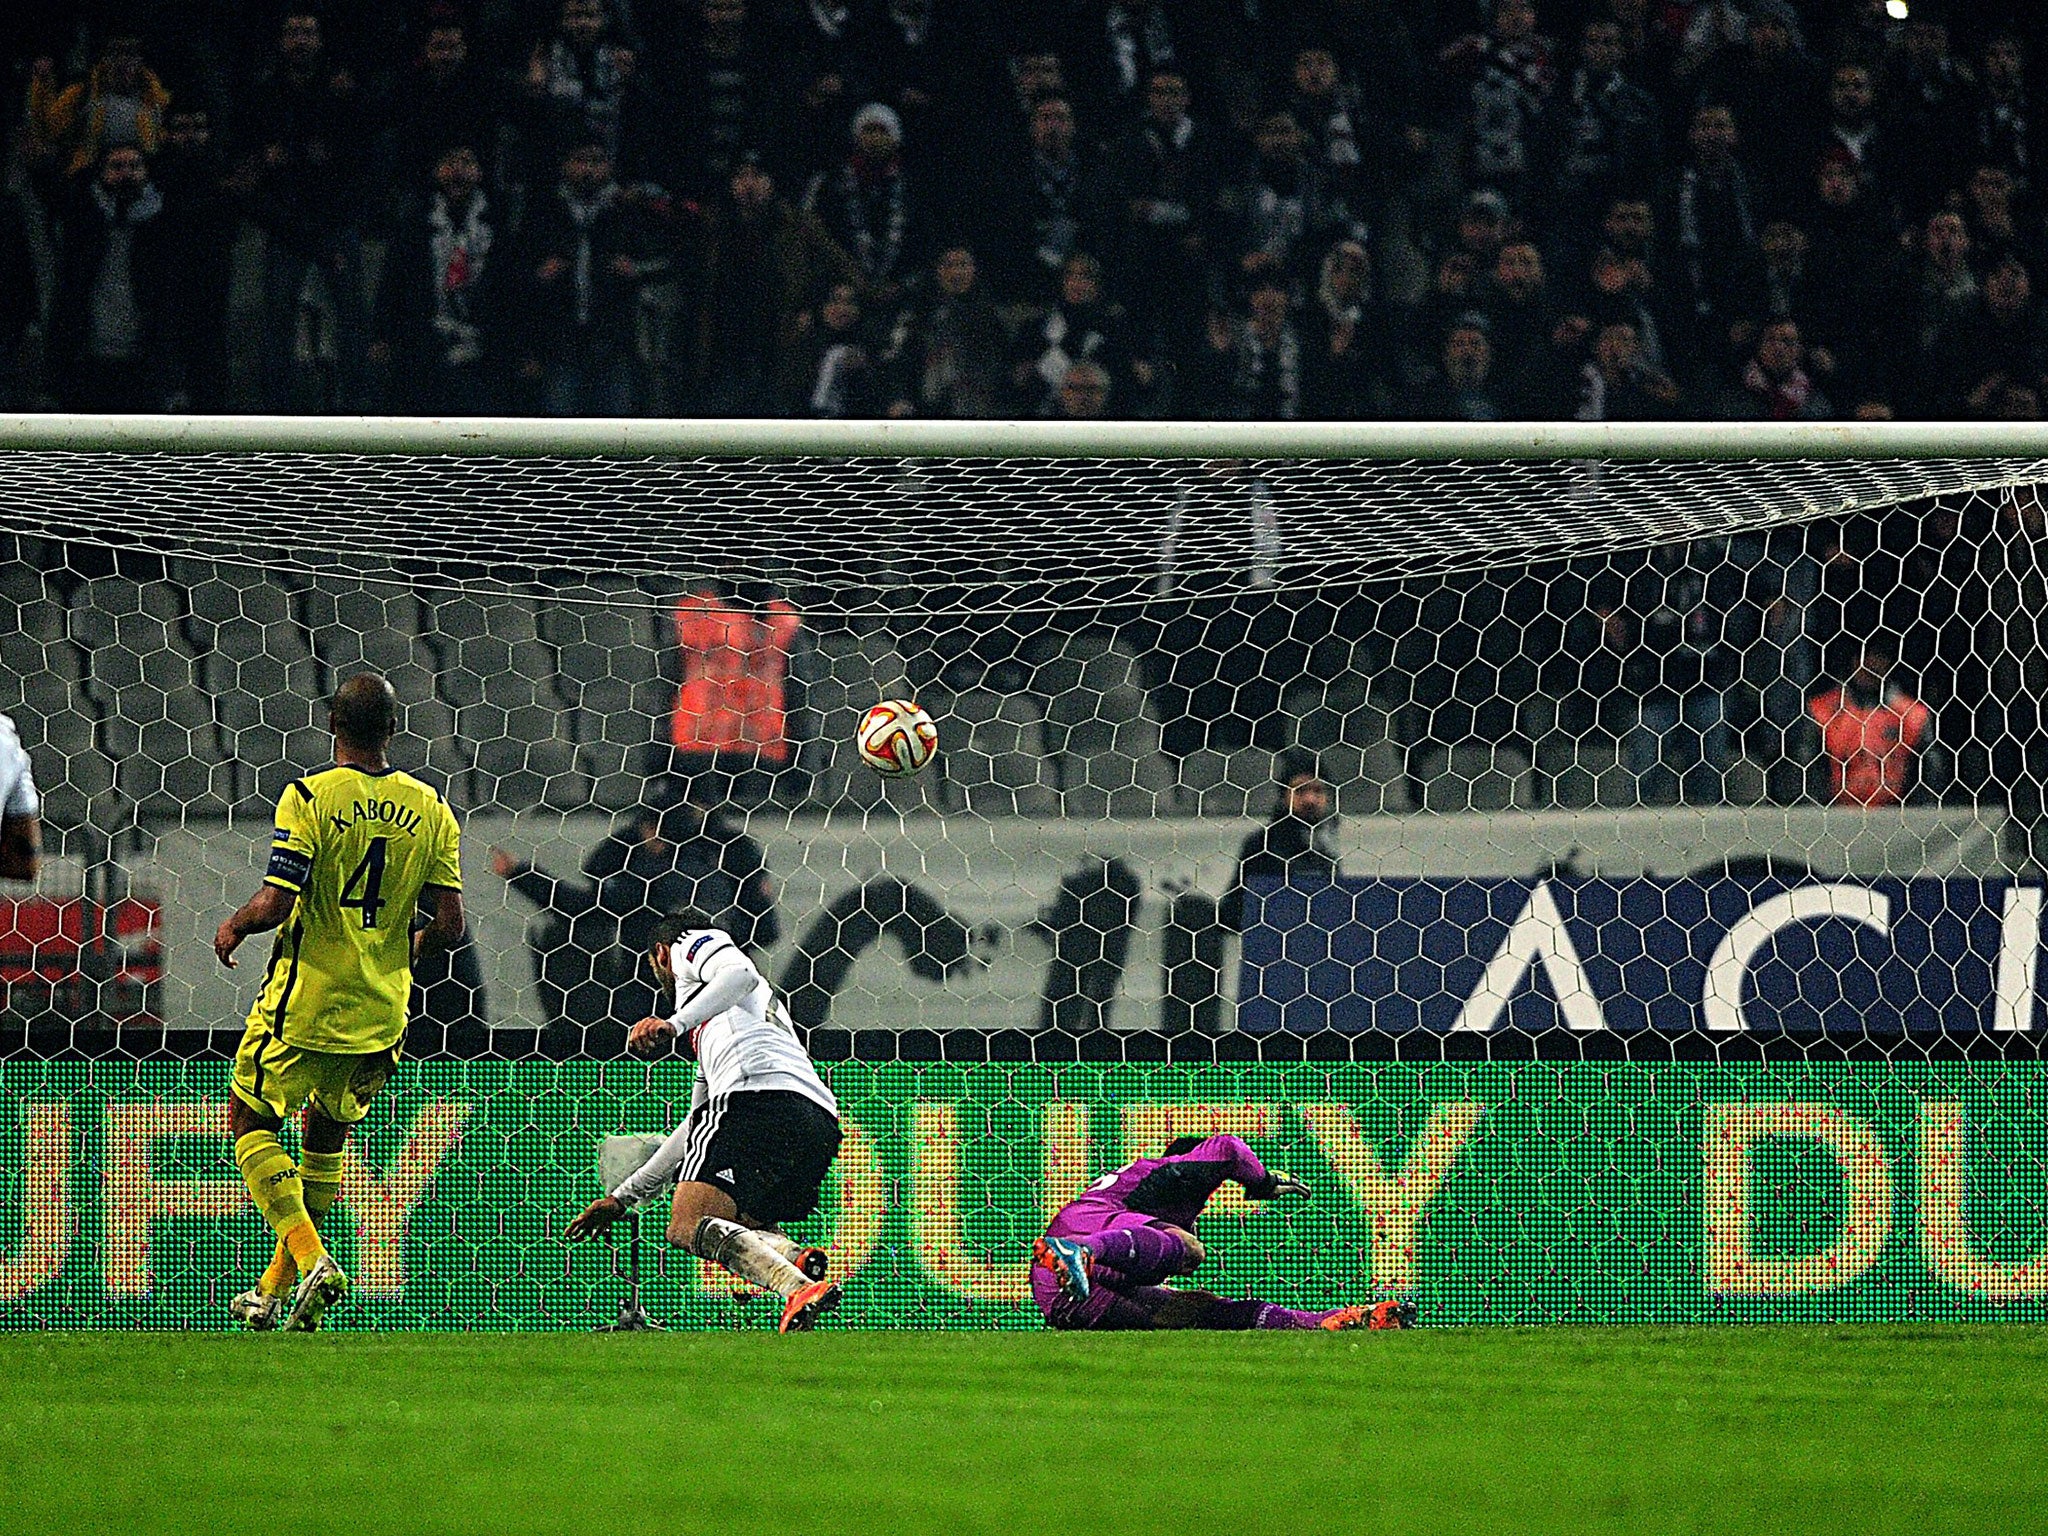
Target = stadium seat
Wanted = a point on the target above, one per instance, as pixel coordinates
(513, 773)
(511, 618)
(1577, 773)
(39, 619)
(1238, 783)
(615, 742)
(163, 600)
(109, 595)
(170, 770)
(21, 584)
(343, 651)
(264, 686)
(301, 752)
(272, 716)
(1475, 776)
(39, 677)
(1111, 765)
(518, 732)
(604, 766)
(1100, 731)
(426, 744)
(448, 767)
(75, 776)
(338, 604)
(491, 667)
(994, 763)
(1367, 779)
(616, 640)
(570, 789)
(1744, 783)
(853, 672)
(1194, 776)
(231, 595)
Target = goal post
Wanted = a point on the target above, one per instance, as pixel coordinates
(1476, 817)
(642, 437)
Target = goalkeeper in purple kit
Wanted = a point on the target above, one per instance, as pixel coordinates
(1103, 1259)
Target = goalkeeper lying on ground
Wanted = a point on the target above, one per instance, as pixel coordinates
(1102, 1259)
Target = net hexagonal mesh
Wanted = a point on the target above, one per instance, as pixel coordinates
(1615, 884)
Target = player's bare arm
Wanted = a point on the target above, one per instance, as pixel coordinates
(445, 923)
(267, 909)
(21, 847)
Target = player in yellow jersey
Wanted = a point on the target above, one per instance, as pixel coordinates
(357, 849)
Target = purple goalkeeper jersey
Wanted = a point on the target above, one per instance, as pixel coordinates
(1170, 1189)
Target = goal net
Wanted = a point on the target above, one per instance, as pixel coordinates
(1605, 867)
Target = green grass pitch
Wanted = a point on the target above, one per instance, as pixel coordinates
(1861, 1429)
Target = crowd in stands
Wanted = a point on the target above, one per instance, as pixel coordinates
(1254, 209)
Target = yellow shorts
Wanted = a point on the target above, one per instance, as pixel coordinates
(272, 1075)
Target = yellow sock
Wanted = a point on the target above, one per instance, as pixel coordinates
(273, 1183)
(319, 1187)
(319, 1181)
(282, 1275)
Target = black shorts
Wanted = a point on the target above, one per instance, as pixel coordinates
(770, 1151)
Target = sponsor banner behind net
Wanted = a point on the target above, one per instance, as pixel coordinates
(1492, 1192)
(1882, 957)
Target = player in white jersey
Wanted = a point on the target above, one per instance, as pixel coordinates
(21, 808)
(762, 1130)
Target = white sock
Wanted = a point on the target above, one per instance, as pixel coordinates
(788, 1247)
(748, 1254)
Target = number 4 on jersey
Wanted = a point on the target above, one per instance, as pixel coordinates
(369, 875)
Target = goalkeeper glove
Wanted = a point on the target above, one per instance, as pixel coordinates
(1277, 1184)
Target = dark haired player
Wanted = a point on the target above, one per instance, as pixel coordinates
(761, 1133)
(1104, 1258)
(358, 848)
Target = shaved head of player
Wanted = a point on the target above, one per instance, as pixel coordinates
(363, 716)
(762, 1131)
(359, 849)
(1106, 1255)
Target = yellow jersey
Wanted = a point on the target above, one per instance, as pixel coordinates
(357, 848)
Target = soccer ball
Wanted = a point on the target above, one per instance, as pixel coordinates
(897, 738)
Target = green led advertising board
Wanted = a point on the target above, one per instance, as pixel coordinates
(1495, 1193)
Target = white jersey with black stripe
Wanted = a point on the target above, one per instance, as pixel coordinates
(749, 1045)
(18, 795)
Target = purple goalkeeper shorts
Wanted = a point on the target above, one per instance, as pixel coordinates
(1116, 1301)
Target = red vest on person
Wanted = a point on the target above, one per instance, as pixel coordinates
(733, 698)
(1870, 750)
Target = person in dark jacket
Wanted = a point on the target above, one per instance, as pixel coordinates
(1081, 326)
(585, 253)
(1685, 618)
(588, 934)
(444, 97)
(872, 206)
(113, 331)
(1158, 187)
(194, 178)
(763, 263)
(832, 371)
(17, 295)
(437, 318)
(1298, 843)
(947, 347)
(302, 124)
